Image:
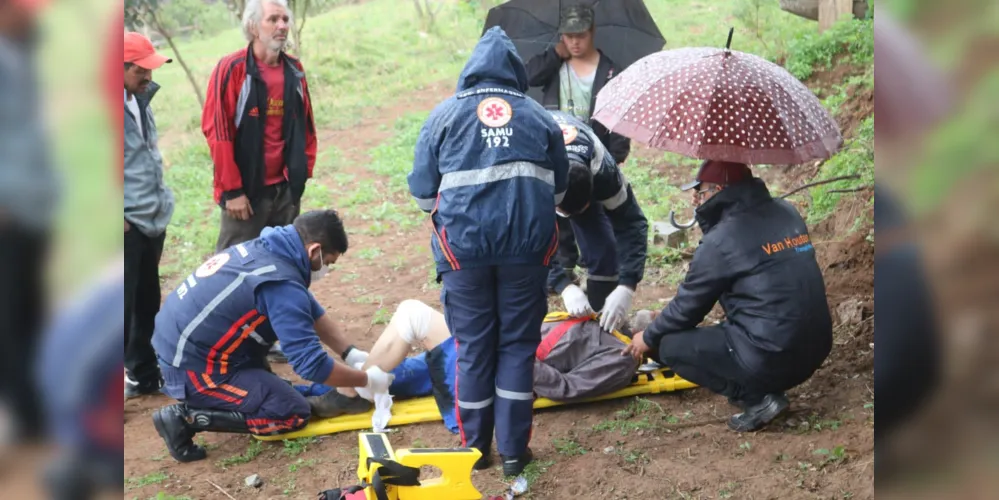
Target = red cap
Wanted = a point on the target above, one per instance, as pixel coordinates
(719, 172)
(140, 51)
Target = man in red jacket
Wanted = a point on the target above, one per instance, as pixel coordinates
(260, 129)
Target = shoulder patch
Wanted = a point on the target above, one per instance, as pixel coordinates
(569, 133)
(494, 112)
(212, 265)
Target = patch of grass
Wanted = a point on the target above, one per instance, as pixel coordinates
(301, 464)
(369, 253)
(166, 496)
(831, 456)
(394, 157)
(535, 469)
(856, 158)
(634, 457)
(418, 443)
(816, 423)
(382, 316)
(252, 451)
(624, 426)
(728, 490)
(810, 50)
(744, 448)
(369, 299)
(289, 487)
(568, 447)
(193, 230)
(151, 478)
(295, 447)
(349, 277)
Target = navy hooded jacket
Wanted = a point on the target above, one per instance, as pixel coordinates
(613, 192)
(226, 315)
(490, 166)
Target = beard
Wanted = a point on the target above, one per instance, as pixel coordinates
(276, 45)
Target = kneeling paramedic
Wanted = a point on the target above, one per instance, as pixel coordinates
(756, 258)
(490, 167)
(607, 222)
(214, 331)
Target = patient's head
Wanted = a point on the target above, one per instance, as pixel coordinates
(579, 192)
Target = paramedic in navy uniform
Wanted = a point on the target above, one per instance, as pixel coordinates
(490, 167)
(214, 331)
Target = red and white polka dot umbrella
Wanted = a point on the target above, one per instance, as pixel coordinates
(718, 104)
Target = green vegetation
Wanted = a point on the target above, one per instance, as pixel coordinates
(252, 451)
(151, 478)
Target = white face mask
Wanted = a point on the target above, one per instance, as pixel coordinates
(322, 271)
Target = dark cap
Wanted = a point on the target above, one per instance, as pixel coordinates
(576, 19)
(719, 172)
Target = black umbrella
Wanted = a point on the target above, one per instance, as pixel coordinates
(625, 31)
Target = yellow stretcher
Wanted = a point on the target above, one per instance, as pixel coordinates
(424, 409)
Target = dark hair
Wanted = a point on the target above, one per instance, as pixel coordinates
(323, 227)
(579, 190)
(128, 65)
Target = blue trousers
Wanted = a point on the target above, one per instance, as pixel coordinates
(270, 405)
(495, 316)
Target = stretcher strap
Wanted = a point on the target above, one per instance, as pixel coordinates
(393, 473)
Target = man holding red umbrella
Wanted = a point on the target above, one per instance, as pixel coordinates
(757, 260)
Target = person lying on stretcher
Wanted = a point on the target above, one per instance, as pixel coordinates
(576, 360)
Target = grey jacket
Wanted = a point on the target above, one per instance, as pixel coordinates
(148, 202)
(29, 189)
(581, 361)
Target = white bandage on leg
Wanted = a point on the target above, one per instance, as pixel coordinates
(412, 321)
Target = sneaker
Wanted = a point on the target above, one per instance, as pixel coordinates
(513, 466)
(756, 416)
(171, 425)
(334, 404)
(135, 389)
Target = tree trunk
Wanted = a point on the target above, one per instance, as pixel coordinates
(180, 60)
(300, 23)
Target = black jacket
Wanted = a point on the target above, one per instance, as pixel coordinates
(757, 259)
(542, 71)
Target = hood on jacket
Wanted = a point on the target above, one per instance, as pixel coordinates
(285, 242)
(494, 59)
(734, 198)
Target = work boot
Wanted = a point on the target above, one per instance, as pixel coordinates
(485, 461)
(171, 425)
(513, 466)
(135, 388)
(334, 404)
(756, 416)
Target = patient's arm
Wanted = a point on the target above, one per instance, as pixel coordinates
(604, 372)
(413, 324)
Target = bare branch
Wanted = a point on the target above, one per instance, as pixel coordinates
(851, 190)
(819, 183)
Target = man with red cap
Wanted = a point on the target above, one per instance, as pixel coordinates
(757, 260)
(148, 207)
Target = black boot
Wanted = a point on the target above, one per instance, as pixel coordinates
(334, 404)
(513, 466)
(171, 424)
(217, 421)
(756, 416)
(485, 461)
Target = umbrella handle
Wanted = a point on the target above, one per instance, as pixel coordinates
(672, 220)
(728, 44)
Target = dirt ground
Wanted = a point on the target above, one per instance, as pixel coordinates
(664, 446)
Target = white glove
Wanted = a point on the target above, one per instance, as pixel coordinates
(616, 308)
(378, 381)
(356, 356)
(577, 304)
